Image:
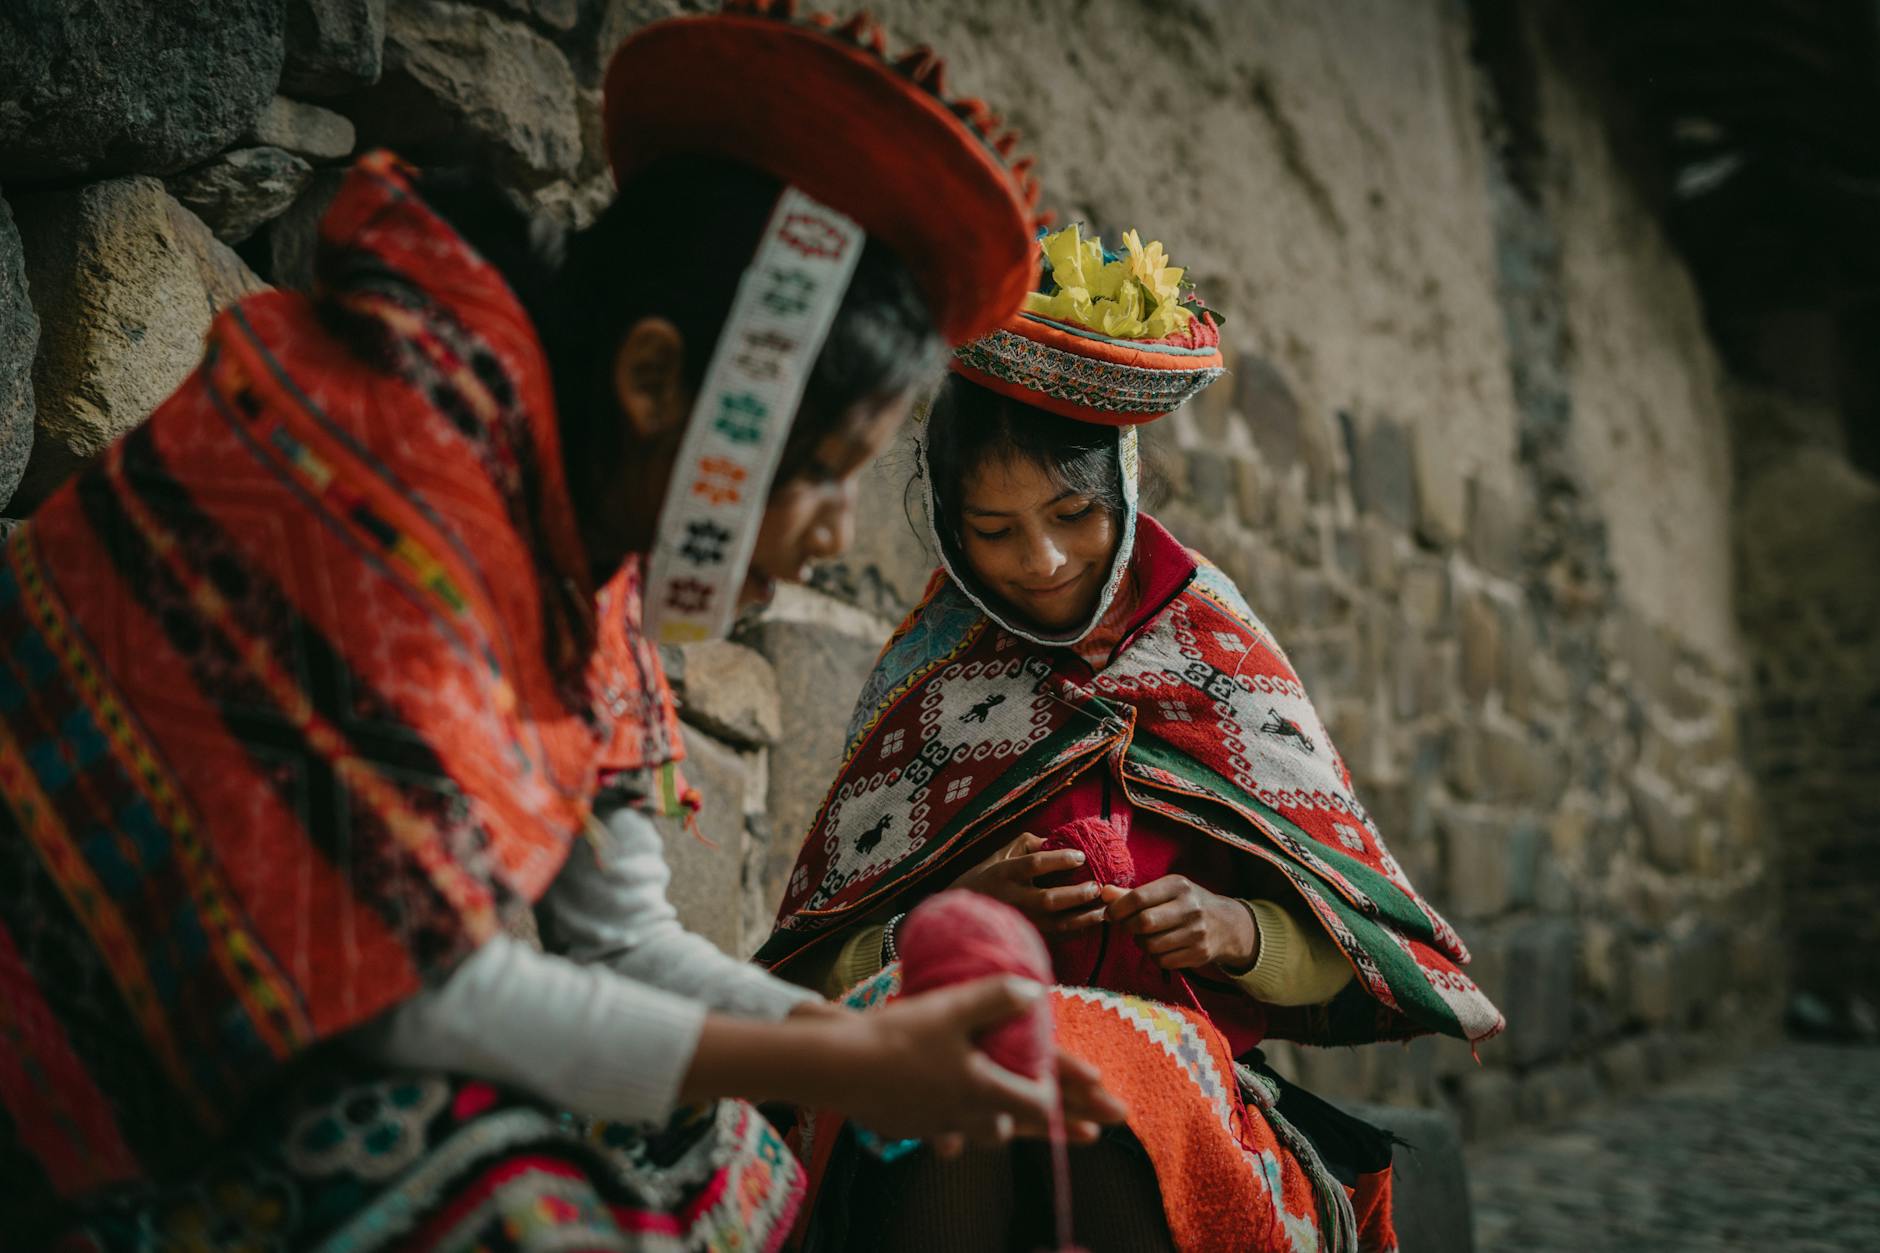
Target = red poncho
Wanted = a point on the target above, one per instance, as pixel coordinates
(303, 694)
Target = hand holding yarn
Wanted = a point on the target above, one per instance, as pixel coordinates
(1036, 880)
(959, 936)
(1182, 925)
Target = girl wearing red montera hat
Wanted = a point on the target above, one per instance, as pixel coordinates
(339, 669)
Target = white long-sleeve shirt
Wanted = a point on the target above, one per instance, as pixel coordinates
(607, 1020)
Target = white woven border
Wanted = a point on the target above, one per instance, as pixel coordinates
(728, 456)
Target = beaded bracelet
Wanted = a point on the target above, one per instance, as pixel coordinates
(889, 953)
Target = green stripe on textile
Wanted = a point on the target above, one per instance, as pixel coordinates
(1392, 901)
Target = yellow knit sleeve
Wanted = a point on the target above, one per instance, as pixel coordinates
(859, 958)
(1298, 963)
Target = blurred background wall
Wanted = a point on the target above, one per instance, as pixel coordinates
(1549, 446)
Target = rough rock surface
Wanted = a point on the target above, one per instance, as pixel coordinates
(19, 339)
(115, 86)
(708, 873)
(242, 189)
(728, 690)
(333, 46)
(463, 83)
(124, 281)
(559, 15)
(821, 651)
(294, 237)
(303, 129)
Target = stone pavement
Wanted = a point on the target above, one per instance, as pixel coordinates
(1780, 1152)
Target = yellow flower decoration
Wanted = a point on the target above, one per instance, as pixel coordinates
(1137, 296)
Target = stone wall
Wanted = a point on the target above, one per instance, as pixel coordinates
(1472, 465)
(1808, 533)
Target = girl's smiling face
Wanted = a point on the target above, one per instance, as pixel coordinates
(1042, 548)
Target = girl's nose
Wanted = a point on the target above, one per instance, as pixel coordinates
(1042, 558)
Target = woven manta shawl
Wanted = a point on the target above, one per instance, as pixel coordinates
(963, 727)
(303, 692)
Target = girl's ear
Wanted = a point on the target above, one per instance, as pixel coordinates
(649, 378)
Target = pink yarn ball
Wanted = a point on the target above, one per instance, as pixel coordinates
(958, 936)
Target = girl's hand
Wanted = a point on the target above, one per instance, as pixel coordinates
(819, 1008)
(909, 1068)
(1183, 925)
(905, 1069)
(1011, 875)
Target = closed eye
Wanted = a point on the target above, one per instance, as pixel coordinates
(1079, 515)
(1001, 533)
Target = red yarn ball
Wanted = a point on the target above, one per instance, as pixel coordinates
(957, 936)
(1105, 849)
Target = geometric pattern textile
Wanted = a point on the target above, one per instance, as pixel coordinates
(355, 1161)
(1232, 1173)
(1199, 718)
(304, 691)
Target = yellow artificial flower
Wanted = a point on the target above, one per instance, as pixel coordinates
(1149, 266)
(1066, 304)
(1137, 296)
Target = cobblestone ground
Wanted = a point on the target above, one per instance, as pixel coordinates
(1780, 1153)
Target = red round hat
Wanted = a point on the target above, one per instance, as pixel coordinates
(1045, 358)
(822, 107)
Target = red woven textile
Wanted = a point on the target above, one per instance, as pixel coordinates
(302, 696)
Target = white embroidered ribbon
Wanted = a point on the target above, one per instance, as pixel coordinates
(714, 504)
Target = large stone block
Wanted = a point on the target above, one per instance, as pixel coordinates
(1426, 596)
(1557, 1092)
(294, 237)
(122, 86)
(333, 46)
(240, 190)
(1210, 482)
(463, 83)
(19, 340)
(1429, 1179)
(1441, 496)
(1497, 527)
(559, 15)
(1486, 1100)
(1480, 623)
(821, 650)
(1503, 762)
(728, 690)
(1668, 820)
(125, 281)
(1270, 409)
(708, 873)
(303, 129)
(1383, 480)
(1537, 995)
(1476, 859)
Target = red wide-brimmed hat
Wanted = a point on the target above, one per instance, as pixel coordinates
(821, 106)
(1056, 354)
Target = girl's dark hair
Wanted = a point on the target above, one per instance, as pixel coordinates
(971, 425)
(674, 244)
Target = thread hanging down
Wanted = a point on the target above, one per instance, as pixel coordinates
(957, 936)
